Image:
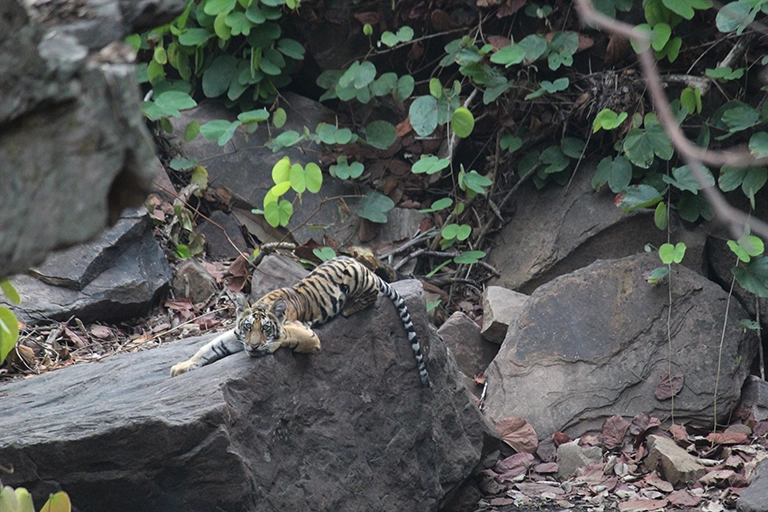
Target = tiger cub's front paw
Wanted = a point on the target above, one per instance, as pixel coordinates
(184, 367)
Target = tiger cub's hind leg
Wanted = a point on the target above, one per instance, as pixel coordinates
(359, 303)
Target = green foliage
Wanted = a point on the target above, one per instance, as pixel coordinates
(374, 207)
(19, 500)
(286, 176)
(324, 253)
(9, 325)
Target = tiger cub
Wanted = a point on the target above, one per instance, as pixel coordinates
(283, 317)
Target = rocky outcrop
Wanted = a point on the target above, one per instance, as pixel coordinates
(349, 429)
(560, 229)
(593, 343)
(118, 276)
(74, 151)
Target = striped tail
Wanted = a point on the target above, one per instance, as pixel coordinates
(405, 318)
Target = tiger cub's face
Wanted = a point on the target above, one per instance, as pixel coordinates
(260, 324)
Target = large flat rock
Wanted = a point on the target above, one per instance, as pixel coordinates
(349, 429)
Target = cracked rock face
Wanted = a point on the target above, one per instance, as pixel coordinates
(74, 151)
(349, 429)
(593, 343)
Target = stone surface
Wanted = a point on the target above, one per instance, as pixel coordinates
(579, 227)
(501, 307)
(674, 464)
(593, 343)
(275, 271)
(571, 457)
(462, 336)
(74, 148)
(349, 429)
(755, 497)
(194, 281)
(754, 397)
(133, 273)
(223, 238)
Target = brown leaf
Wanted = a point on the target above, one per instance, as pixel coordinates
(678, 432)
(560, 438)
(371, 17)
(236, 283)
(667, 388)
(546, 467)
(304, 251)
(239, 267)
(500, 502)
(655, 481)
(613, 432)
(499, 42)
(479, 379)
(683, 498)
(514, 466)
(206, 322)
(101, 331)
(717, 477)
(727, 438)
(510, 8)
(76, 340)
(404, 127)
(518, 434)
(441, 21)
(642, 505)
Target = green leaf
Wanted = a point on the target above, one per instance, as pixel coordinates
(753, 276)
(9, 332)
(607, 119)
(435, 88)
(291, 48)
(324, 253)
(735, 16)
(220, 27)
(389, 39)
(191, 131)
(731, 178)
(637, 196)
(754, 180)
(554, 160)
(405, 34)
(404, 89)
(313, 177)
(344, 170)
(619, 172)
(638, 148)
(380, 134)
(758, 144)
(239, 24)
(690, 98)
(216, 7)
(214, 129)
(284, 140)
(281, 171)
(510, 143)
(423, 114)
(462, 122)
(681, 7)
(217, 77)
(367, 29)
(660, 35)
(175, 101)
(672, 253)
(661, 216)
(469, 257)
(509, 55)
(684, 179)
(440, 204)
(58, 502)
(374, 207)
(9, 290)
(253, 116)
(658, 274)
(692, 206)
(740, 118)
(278, 213)
(279, 117)
(430, 165)
(199, 177)
(182, 163)
(475, 182)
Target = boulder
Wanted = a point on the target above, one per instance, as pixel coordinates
(223, 238)
(755, 497)
(675, 464)
(560, 229)
(118, 276)
(593, 343)
(754, 397)
(74, 148)
(348, 429)
(194, 281)
(571, 457)
(462, 336)
(501, 307)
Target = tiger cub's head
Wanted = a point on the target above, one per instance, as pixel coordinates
(259, 324)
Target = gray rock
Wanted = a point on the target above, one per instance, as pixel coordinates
(74, 148)
(138, 276)
(223, 238)
(755, 497)
(675, 465)
(194, 281)
(462, 336)
(558, 230)
(571, 457)
(76, 267)
(275, 271)
(593, 343)
(501, 308)
(754, 396)
(348, 429)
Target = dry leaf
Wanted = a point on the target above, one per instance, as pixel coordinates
(642, 505)
(404, 127)
(655, 481)
(679, 433)
(718, 477)
(683, 498)
(727, 438)
(560, 438)
(513, 466)
(546, 467)
(667, 388)
(101, 331)
(613, 432)
(518, 434)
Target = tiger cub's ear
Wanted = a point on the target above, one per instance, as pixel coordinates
(278, 309)
(241, 304)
